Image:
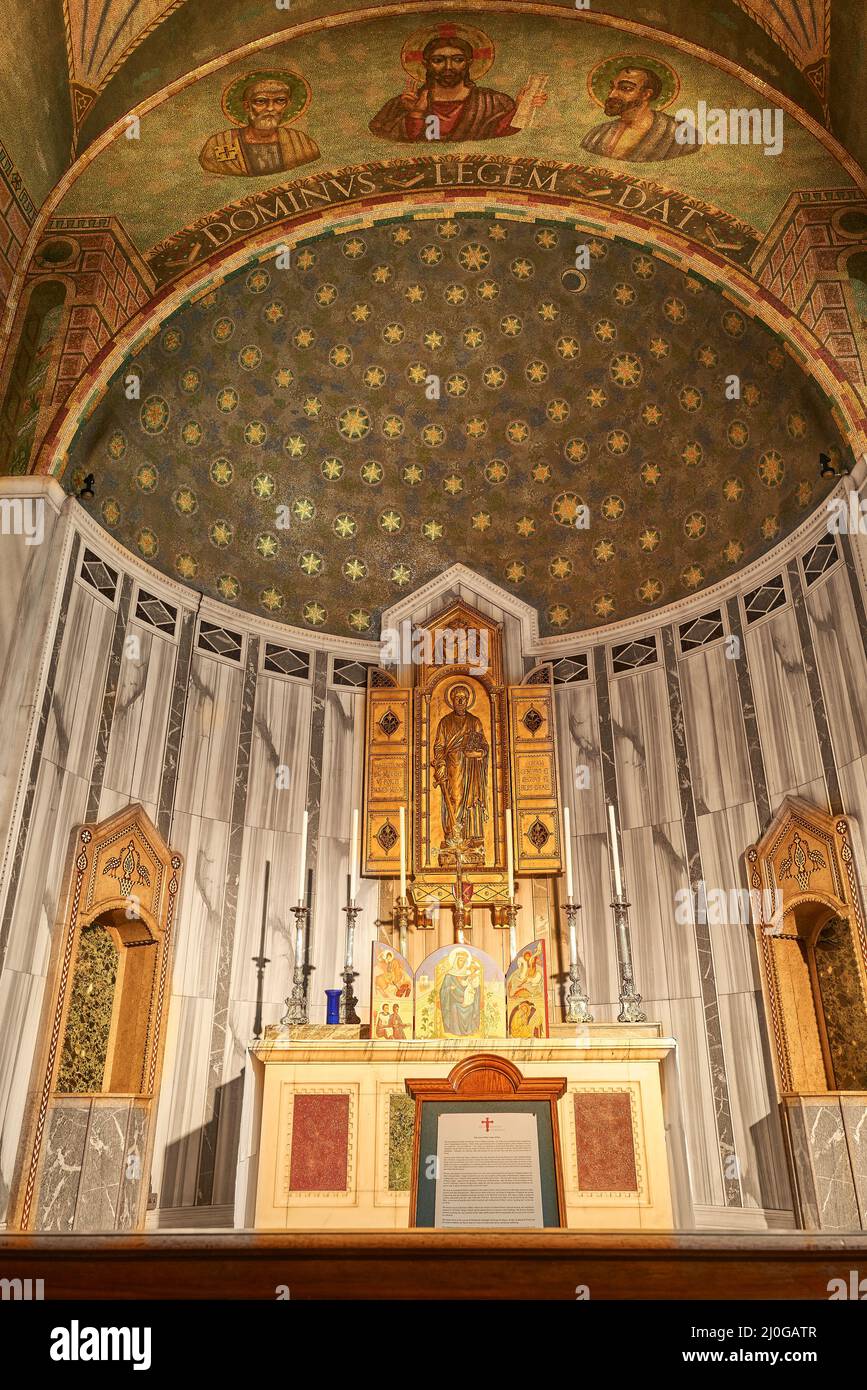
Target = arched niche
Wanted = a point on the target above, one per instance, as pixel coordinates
(812, 949)
(103, 1036)
(31, 378)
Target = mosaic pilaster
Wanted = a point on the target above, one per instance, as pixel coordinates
(109, 700)
(177, 711)
(707, 977)
(314, 769)
(216, 1060)
(606, 738)
(814, 685)
(751, 725)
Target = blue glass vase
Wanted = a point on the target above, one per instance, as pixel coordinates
(332, 1014)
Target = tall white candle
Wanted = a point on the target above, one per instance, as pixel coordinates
(618, 882)
(402, 852)
(510, 858)
(302, 862)
(567, 850)
(353, 857)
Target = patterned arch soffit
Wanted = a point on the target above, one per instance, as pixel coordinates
(116, 131)
(847, 408)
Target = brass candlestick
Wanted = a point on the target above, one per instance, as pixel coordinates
(296, 1004)
(512, 910)
(459, 910)
(577, 1010)
(401, 921)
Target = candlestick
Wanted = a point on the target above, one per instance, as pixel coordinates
(401, 921)
(630, 999)
(512, 911)
(402, 852)
(348, 999)
(618, 881)
(353, 857)
(567, 850)
(302, 862)
(296, 1004)
(510, 858)
(577, 1010)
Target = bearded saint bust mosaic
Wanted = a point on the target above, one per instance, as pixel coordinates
(261, 104)
(443, 64)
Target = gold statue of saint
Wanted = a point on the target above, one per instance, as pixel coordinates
(460, 770)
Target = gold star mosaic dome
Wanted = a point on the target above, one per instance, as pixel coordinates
(314, 442)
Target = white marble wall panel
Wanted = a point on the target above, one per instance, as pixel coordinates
(111, 801)
(281, 739)
(21, 999)
(134, 760)
(718, 757)
(281, 850)
(209, 745)
(646, 769)
(30, 576)
(577, 749)
(59, 805)
(759, 1146)
(204, 844)
(723, 837)
(75, 711)
(841, 663)
(239, 1031)
(687, 1025)
(664, 951)
(853, 789)
(342, 777)
(181, 1113)
(597, 948)
(783, 710)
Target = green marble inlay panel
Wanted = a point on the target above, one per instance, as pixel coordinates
(843, 1005)
(85, 1043)
(401, 1117)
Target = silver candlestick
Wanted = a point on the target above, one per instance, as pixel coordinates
(630, 999)
(577, 1001)
(296, 1004)
(348, 999)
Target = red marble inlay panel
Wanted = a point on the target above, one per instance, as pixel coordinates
(603, 1130)
(320, 1144)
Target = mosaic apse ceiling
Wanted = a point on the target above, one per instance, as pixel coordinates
(312, 443)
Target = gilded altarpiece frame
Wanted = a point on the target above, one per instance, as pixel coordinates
(125, 877)
(508, 761)
(388, 774)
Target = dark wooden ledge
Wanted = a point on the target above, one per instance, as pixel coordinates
(433, 1265)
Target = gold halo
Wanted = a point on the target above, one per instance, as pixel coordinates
(299, 93)
(466, 685)
(603, 72)
(482, 46)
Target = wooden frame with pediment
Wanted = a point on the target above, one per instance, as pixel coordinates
(806, 856)
(496, 1081)
(123, 875)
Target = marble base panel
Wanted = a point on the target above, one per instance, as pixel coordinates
(827, 1138)
(93, 1165)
